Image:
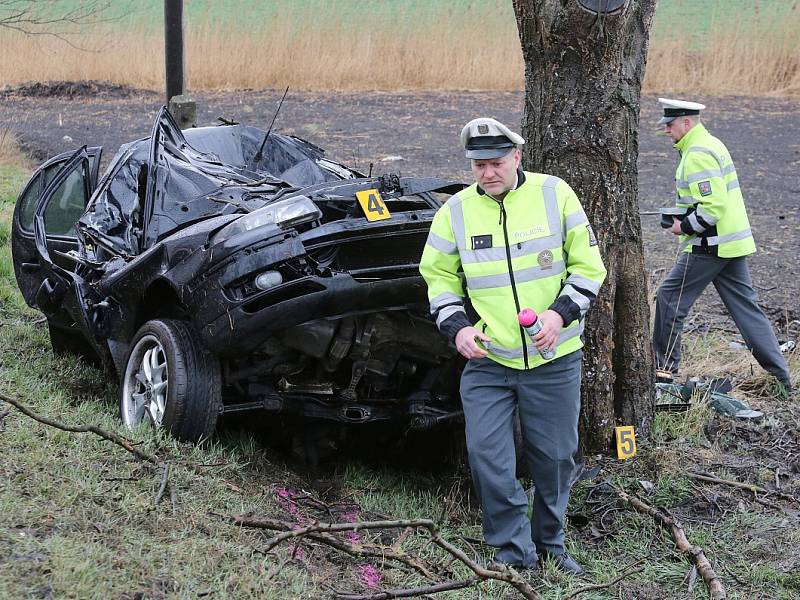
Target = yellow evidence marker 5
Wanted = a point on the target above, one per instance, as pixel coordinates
(626, 441)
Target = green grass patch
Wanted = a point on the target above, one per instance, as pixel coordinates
(690, 17)
(11, 181)
(682, 427)
(77, 514)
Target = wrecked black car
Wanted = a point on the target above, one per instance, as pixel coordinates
(215, 278)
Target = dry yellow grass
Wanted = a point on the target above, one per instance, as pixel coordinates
(329, 51)
(302, 50)
(711, 355)
(739, 59)
(10, 153)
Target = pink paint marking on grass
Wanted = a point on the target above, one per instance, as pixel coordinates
(370, 576)
(351, 516)
(289, 505)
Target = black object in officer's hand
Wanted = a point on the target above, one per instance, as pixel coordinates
(667, 214)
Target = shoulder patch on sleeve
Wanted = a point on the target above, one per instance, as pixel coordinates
(592, 236)
(705, 188)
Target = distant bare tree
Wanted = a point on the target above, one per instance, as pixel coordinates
(59, 18)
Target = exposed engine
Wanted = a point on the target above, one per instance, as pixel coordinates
(366, 368)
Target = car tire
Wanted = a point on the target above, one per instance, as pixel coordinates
(171, 380)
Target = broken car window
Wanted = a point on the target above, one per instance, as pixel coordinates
(66, 205)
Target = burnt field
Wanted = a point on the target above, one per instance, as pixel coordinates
(416, 133)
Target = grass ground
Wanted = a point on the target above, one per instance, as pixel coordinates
(78, 520)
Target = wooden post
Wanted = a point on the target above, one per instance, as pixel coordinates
(173, 47)
(180, 104)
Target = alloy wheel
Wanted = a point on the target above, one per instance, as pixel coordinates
(144, 393)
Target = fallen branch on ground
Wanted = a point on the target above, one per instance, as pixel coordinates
(411, 592)
(322, 532)
(162, 488)
(107, 435)
(173, 498)
(355, 550)
(739, 484)
(746, 486)
(712, 581)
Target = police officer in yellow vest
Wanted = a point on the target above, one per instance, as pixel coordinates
(515, 240)
(711, 221)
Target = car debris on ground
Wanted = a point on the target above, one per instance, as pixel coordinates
(674, 397)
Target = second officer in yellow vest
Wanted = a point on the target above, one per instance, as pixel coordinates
(711, 222)
(515, 240)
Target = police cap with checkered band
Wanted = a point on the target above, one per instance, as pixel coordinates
(486, 138)
(678, 108)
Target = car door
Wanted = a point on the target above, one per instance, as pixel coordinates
(59, 220)
(64, 295)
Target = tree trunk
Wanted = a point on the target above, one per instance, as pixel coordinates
(583, 76)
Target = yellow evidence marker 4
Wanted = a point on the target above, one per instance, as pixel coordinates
(373, 205)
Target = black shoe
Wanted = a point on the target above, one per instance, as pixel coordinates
(563, 562)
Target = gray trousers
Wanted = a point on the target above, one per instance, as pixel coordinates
(678, 292)
(549, 402)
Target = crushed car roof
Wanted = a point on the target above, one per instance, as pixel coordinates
(196, 174)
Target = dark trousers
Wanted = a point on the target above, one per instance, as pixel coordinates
(730, 276)
(549, 402)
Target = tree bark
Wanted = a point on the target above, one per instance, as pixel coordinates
(583, 76)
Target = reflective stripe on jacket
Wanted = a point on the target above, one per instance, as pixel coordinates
(707, 185)
(534, 249)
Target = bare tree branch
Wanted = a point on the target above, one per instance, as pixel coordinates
(60, 18)
(107, 435)
(173, 498)
(410, 592)
(163, 487)
(745, 486)
(323, 532)
(34, 16)
(356, 550)
(712, 581)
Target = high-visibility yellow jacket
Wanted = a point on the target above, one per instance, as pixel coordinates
(708, 189)
(535, 249)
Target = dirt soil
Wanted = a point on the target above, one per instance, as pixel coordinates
(416, 133)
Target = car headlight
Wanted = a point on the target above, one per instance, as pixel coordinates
(268, 280)
(284, 213)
